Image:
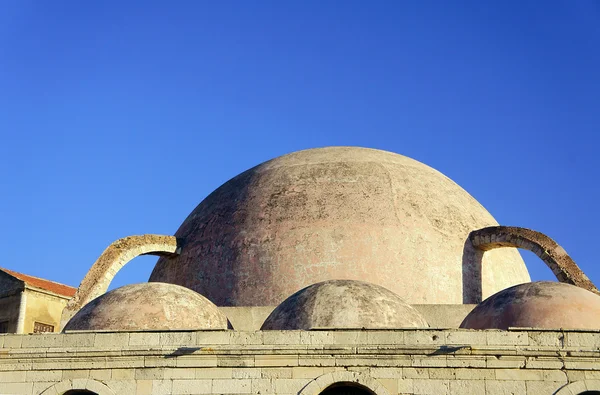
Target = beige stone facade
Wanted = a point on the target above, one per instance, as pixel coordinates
(432, 361)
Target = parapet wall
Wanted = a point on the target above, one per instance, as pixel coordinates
(429, 361)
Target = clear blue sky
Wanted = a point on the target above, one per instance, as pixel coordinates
(118, 118)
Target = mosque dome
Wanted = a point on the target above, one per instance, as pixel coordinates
(148, 306)
(344, 304)
(542, 304)
(336, 213)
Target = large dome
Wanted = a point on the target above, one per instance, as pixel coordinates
(336, 213)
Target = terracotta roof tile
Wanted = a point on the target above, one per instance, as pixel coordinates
(47, 285)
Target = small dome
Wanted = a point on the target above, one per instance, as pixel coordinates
(148, 306)
(344, 304)
(541, 304)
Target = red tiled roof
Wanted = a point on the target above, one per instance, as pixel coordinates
(47, 285)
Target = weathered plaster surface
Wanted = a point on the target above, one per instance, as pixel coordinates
(336, 213)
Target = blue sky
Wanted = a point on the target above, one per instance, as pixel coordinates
(118, 118)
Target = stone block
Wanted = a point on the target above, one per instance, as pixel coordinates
(155, 361)
(98, 374)
(583, 340)
(111, 340)
(17, 388)
(263, 386)
(183, 339)
(44, 375)
(42, 386)
(197, 361)
(45, 340)
(207, 338)
(505, 338)
(466, 337)
(425, 338)
(316, 360)
(72, 374)
(144, 339)
(546, 339)
(439, 361)
(245, 338)
(442, 374)
(281, 337)
(12, 341)
(415, 373)
(505, 387)
(465, 361)
(475, 374)
(75, 340)
(122, 374)
(276, 360)
(467, 387)
(241, 386)
(519, 374)
(277, 373)
(124, 362)
(505, 362)
(429, 387)
(179, 373)
(390, 384)
(386, 373)
(213, 373)
(385, 337)
(543, 387)
(290, 386)
(316, 337)
(162, 387)
(246, 373)
(194, 387)
(234, 361)
(306, 372)
(543, 363)
(150, 374)
(349, 337)
(143, 387)
(14, 376)
(122, 386)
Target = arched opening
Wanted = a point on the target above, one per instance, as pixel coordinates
(590, 393)
(79, 392)
(347, 388)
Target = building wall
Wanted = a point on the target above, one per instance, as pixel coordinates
(432, 361)
(9, 311)
(44, 308)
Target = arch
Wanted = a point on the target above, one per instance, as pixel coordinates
(102, 272)
(325, 381)
(583, 387)
(345, 388)
(67, 386)
(557, 259)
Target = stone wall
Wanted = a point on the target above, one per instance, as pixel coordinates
(302, 362)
